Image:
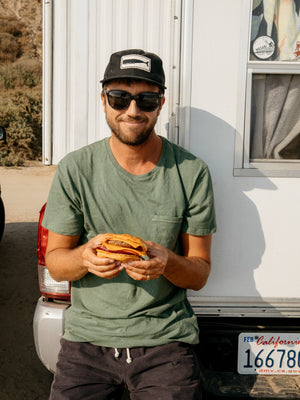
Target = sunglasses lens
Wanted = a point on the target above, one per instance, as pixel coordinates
(120, 100)
(148, 101)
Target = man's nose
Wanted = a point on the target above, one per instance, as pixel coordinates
(133, 108)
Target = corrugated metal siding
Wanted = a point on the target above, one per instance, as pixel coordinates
(85, 33)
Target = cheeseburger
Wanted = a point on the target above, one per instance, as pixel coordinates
(123, 247)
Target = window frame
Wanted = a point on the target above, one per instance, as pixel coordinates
(243, 166)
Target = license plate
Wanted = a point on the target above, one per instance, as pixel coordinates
(269, 353)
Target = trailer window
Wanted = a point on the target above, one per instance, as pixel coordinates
(270, 118)
(275, 117)
(275, 33)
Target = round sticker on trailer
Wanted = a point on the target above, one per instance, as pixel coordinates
(263, 47)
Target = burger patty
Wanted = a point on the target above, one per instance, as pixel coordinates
(120, 243)
(124, 244)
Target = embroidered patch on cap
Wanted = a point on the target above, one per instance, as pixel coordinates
(136, 61)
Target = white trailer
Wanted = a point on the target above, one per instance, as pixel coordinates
(233, 99)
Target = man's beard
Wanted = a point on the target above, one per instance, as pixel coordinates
(136, 140)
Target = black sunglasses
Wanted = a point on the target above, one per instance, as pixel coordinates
(146, 101)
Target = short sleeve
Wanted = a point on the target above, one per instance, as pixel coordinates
(200, 218)
(63, 212)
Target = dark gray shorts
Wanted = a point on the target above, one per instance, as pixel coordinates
(89, 372)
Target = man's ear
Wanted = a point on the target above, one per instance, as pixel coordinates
(102, 98)
(162, 102)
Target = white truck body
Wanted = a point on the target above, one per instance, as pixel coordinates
(205, 47)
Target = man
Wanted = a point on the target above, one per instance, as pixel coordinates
(130, 324)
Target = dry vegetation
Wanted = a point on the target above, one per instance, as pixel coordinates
(21, 80)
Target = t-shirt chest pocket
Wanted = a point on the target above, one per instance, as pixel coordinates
(166, 230)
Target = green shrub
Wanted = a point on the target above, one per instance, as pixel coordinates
(11, 25)
(10, 48)
(21, 116)
(16, 75)
(21, 84)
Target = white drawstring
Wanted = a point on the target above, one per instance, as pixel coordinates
(129, 359)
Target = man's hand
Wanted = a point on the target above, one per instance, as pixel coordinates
(189, 271)
(102, 267)
(152, 268)
(66, 260)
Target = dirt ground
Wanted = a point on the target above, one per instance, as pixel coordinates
(22, 375)
(25, 190)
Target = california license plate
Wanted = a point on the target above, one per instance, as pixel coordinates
(269, 353)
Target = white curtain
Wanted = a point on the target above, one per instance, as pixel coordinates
(275, 118)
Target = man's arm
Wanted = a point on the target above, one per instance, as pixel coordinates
(66, 261)
(189, 271)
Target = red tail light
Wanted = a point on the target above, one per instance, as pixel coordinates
(48, 286)
(42, 238)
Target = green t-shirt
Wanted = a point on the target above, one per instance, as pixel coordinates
(91, 194)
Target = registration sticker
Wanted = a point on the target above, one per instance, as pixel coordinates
(269, 353)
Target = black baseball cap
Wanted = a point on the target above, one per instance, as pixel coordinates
(135, 64)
